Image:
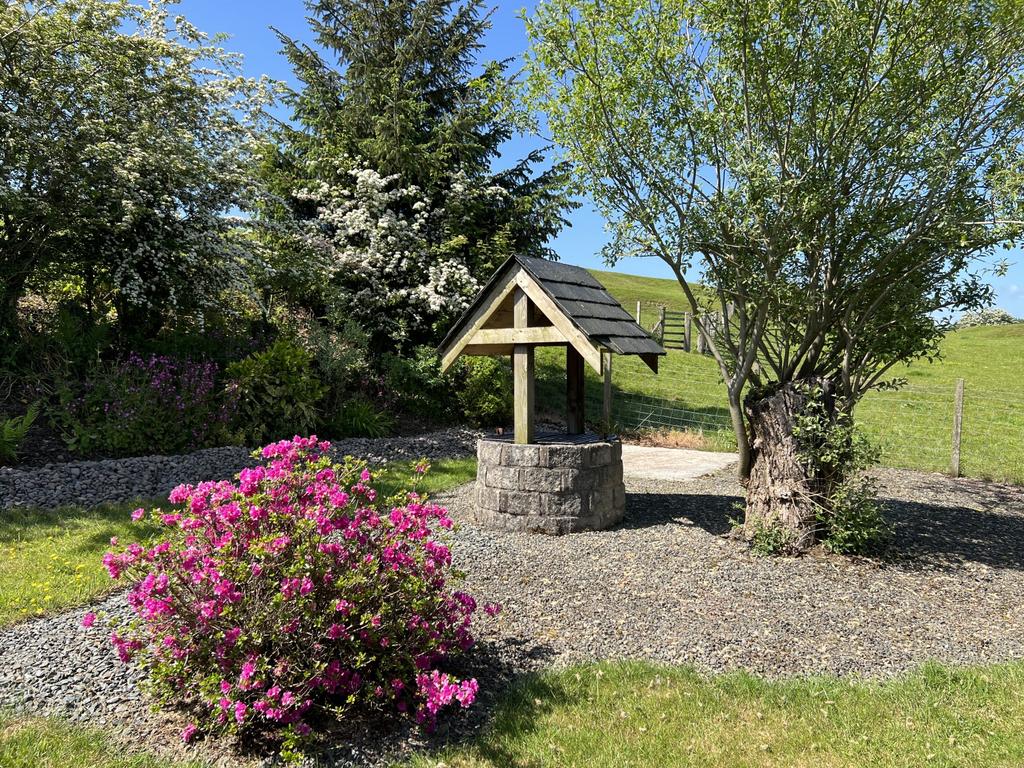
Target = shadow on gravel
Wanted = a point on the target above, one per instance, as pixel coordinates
(713, 513)
(945, 537)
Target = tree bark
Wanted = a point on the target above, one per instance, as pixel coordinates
(11, 290)
(781, 493)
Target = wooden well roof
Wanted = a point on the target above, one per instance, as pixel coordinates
(566, 298)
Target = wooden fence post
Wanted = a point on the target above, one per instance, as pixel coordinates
(638, 321)
(661, 324)
(702, 343)
(687, 331)
(958, 422)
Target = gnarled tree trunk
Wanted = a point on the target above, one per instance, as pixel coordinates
(781, 491)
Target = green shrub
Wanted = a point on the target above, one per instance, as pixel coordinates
(486, 394)
(140, 406)
(359, 418)
(414, 384)
(836, 455)
(339, 348)
(13, 432)
(768, 540)
(276, 392)
(854, 524)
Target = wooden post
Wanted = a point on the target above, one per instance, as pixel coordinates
(638, 314)
(661, 324)
(687, 330)
(958, 421)
(702, 343)
(522, 365)
(607, 366)
(575, 392)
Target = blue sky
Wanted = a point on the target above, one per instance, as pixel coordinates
(248, 23)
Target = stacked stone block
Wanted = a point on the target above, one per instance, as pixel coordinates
(551, 489)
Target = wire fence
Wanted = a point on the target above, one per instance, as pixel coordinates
(912, 427)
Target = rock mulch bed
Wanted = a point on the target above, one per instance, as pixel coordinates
(667, 585)
(95, 482)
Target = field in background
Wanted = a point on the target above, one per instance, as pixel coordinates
(912, 426)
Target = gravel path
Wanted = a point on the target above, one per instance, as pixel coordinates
(666, 585)
(94, 482)
(669, 585)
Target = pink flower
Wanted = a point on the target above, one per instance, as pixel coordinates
(492, 609)
(138, 514)
(188, 732)
(88, 620)
(248, 670)
(240, 710)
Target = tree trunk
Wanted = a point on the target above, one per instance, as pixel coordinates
(781, 494)
(11, 290)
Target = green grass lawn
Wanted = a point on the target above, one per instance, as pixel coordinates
(638, 715)
(620, 715)
(31, 742)
(444, 475)
(50, 560)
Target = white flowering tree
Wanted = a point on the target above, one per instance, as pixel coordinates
(127, 140)
(371, 237)
(387, 166)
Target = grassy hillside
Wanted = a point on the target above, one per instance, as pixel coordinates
(912, 426)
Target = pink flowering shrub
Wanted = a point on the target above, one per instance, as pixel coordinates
(293, 595)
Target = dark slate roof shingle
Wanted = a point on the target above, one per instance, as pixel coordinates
(583, 300)
(586, 302)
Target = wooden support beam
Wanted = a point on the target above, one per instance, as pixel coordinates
(687, 331)
(523, 374)
(607, 366)
(476, 321)
(540, 335)
(575, 392)
(591, 353)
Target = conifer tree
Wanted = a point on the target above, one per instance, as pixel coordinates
(388, 168)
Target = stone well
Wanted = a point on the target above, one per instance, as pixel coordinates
(560, 484)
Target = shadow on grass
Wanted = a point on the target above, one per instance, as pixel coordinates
(509, 696)
(21, 524)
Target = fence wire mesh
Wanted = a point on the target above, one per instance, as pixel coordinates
(912, 427)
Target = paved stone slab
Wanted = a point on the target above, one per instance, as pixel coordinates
(672, 464)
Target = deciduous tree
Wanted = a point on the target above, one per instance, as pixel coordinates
(835, 172)
(127, 140)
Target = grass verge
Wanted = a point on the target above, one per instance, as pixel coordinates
(444, 475)
(51, 559)
(620, 715)
(32, 742)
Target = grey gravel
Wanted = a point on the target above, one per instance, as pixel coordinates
(143, 477)
(669, 585)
